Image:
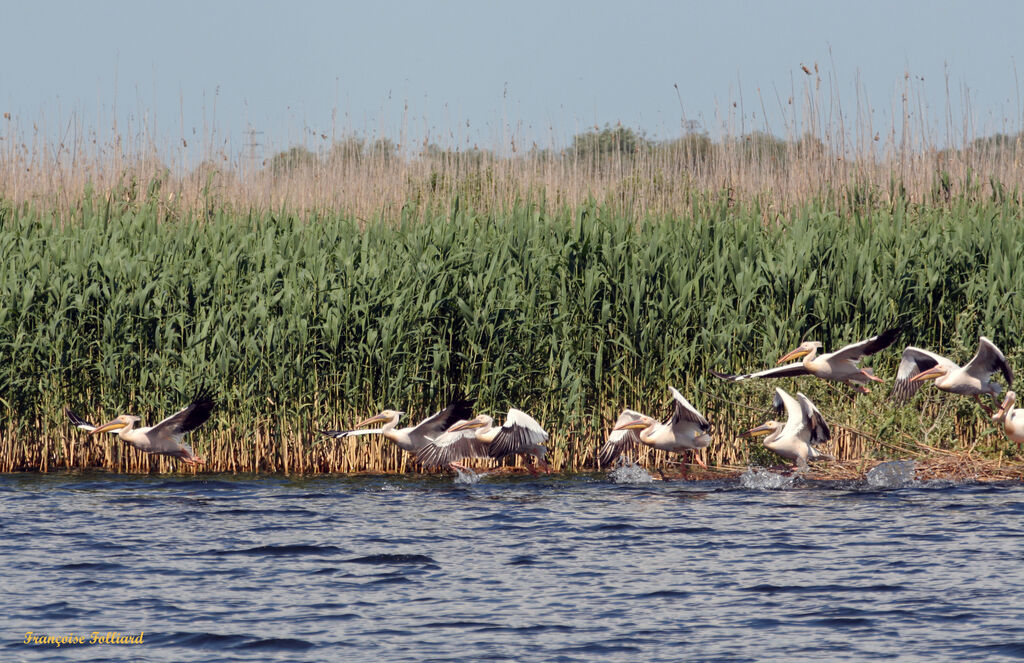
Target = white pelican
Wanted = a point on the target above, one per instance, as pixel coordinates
(840, 366)
(804, 428)
(973, 379)
(686, 430)
(163, 438)
(480, 438)
(413, 438)
(1012, 419)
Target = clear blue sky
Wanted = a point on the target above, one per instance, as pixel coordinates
(463, 71)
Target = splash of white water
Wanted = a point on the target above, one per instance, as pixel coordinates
(758, 478)
(893, 474)
(629, 474)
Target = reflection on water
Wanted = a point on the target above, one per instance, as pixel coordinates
(510, 568)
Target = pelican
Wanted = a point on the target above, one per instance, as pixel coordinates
(804, 428)
(1012, 419)
(163, 438)
(480, 438)
(686, 430)
(413, 438)
(973, 379)
(839, 366)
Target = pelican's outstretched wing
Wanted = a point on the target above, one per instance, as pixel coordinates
(987, 360)
(435, 425)
(520, 434)
(914, 361)
(787, 371)
(82, 423)
(188, 418)
(619, 441)
(855, 351)
(784, 402)
(813, 420)
(683, 411)
(451, 447)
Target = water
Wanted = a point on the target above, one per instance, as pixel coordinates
(510, 569)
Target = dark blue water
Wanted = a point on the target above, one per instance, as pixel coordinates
(509, 569)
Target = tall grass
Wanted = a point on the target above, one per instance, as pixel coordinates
(301, 321)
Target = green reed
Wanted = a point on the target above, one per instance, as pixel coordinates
(304, 322)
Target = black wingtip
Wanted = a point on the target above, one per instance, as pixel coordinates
(890, 335)
(722, 376)
(204, 396)
(74, 418)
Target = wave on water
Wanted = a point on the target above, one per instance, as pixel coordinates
(758, 478)
(294, 549)
(893, 474)
(630, 474)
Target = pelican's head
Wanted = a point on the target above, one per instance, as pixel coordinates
(640, 423)
(385, 416)
(805, 348)
(125, 420)
(479, 421)
(1004, 409)
(767, 428)
(936, 371)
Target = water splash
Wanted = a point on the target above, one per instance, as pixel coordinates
(893, 474)
(630, 474)
(758, 478)
(466, 477)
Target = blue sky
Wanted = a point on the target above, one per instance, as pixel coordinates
(461, 72)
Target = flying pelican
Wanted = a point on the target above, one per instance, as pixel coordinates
(480, 438)
(1012, 419)
(840, 366)
(413, 438)
(686, 430)
(163, 438)
(804, 428)
(973, 379)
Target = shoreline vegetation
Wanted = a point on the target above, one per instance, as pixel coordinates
(320, 286)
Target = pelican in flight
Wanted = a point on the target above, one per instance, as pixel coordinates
(163, 438)
(804, 429)
(413, 438)
(839, 366)
(686, 430)
(973, 379)
(1011, 418)
(480, 438)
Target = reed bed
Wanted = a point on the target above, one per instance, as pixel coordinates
(302, 321)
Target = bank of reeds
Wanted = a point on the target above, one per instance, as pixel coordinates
(300, 322)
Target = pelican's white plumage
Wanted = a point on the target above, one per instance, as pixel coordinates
(686, 430)
(413, 438)
(804, 429)
(480, 438)
(1011, 418)
(839, 366)
(165, 438)
(972, 379)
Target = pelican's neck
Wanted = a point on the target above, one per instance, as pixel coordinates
(809, 357)
(126, 431)
(487, 433)
(647, 434)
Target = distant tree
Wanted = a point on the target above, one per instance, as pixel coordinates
(692, 149)
(384, 149)
(617, 140)
(292, 159)
(763, 147)
(347, 150)
(999, 142)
